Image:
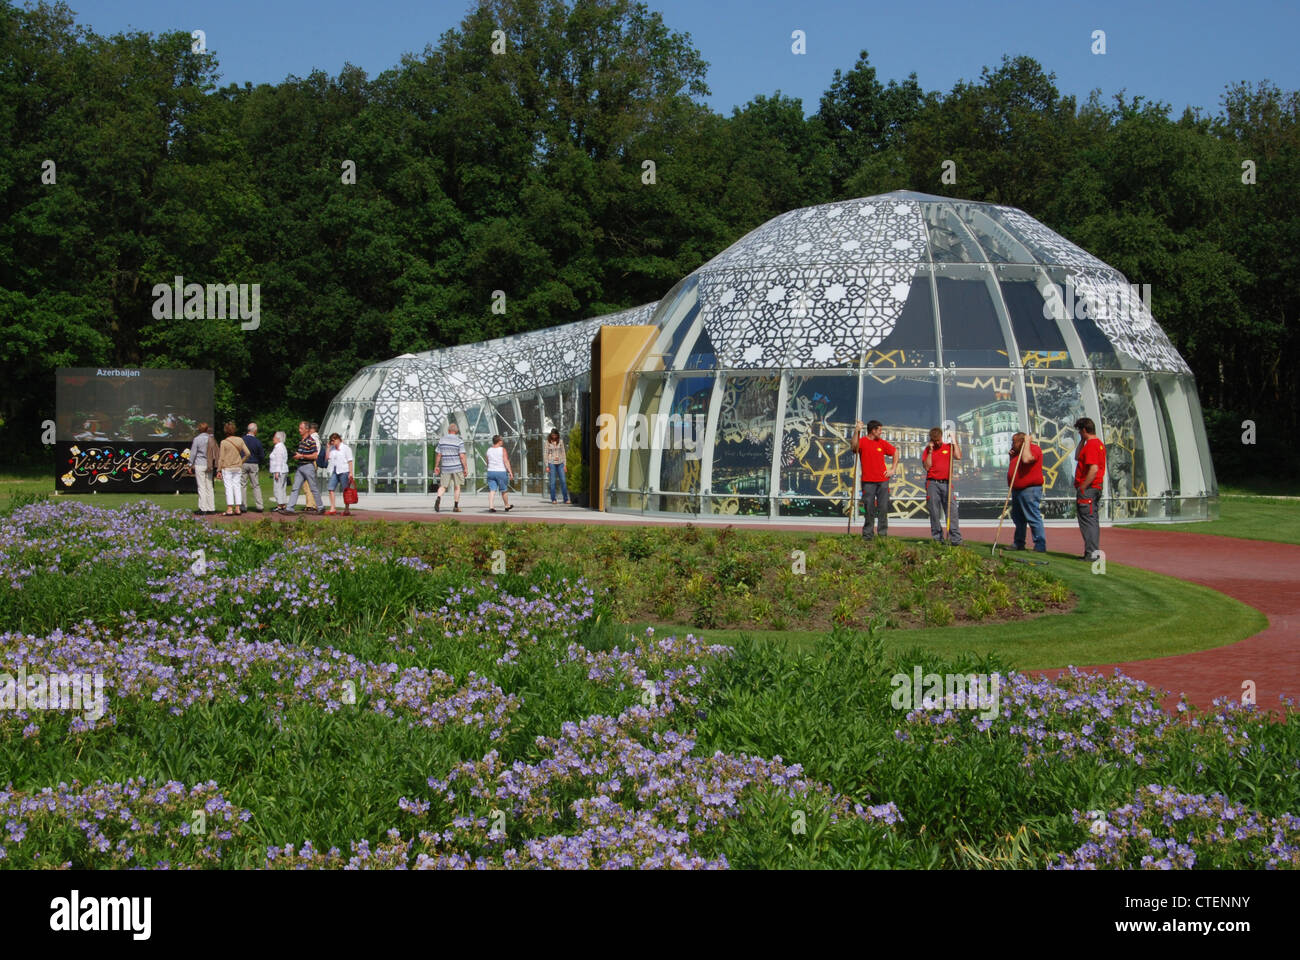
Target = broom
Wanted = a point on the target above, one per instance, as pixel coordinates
(853, 488)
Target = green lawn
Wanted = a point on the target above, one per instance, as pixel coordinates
(13, 486)
(1249, 517)
(1127, 614)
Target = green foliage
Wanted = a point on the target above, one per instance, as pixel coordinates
(575, 469)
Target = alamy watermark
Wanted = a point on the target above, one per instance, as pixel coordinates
(949, 691)
(1130, 304)
(73, 692)
(658, 431)
(214, 301)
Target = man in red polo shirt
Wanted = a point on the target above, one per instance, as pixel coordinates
(872, 450)
(1089, 471)
(1025, 475)
(938, 457)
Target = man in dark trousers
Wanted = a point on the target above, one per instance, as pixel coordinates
(1089, 471)
(938, 457)
(872, 450)
(1025, 475)
(252, 466)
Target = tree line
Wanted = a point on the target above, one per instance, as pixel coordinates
(556, 156)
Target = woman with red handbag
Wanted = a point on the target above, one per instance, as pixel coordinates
(340, 471)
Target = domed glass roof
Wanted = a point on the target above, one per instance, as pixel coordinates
(827, 286)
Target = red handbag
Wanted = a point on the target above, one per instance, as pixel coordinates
(350, 493)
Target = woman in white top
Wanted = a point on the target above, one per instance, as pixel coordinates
(280, 469)
(340, 471)
(499, 474)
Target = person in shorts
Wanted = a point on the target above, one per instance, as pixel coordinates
(451, 466)
(499, 474)
(340, 471)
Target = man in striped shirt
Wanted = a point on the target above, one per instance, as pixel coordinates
(305, 456)
(452, 466)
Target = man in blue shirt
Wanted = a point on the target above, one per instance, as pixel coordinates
(252, 465)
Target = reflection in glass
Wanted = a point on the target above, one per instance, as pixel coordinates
(984, 408)
(1055, 403)
(742, 453)
(817, 453)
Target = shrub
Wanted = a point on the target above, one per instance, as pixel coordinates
(574, 468)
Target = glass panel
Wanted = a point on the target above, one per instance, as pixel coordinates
(911, 342)
(908, 406)
(554, 420)
(364, 385)
(385, 420)
(817, 448)
(1037, 335)
(972, 335)
(634, 441)
(680, 320)
(742, 453)
(1122, 435)
(1209, 480)
(515, 450)
(531, 406)
(411, 459)
(683, 439)
(999, 246)
(949, 241)
(1183, 435)
(1055, 402)
(702, 356)
(384, 460)
(1097, 347)
(338, 420)
(674, 307)
(410, 420)
(361, 453)
(533, 461)
(366, 430)
(983, 406)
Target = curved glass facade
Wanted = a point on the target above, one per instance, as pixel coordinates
(393, 413)
(917, 311)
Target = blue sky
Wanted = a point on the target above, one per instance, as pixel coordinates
(1180, 51)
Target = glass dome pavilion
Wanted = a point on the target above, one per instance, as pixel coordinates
(917, 311)
(392, 413)
(911, 309)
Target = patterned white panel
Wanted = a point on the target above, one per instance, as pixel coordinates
(1120, 313)
(858, 232)
(801, 316)
(1048, 245)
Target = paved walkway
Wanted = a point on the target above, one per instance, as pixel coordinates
(1262, 574)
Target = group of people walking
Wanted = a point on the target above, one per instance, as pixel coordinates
(238, 460)
(451, 466)
(1024, 480)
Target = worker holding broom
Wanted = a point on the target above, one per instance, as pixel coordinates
(872, 450)
(938, 458)
(1025, 478)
